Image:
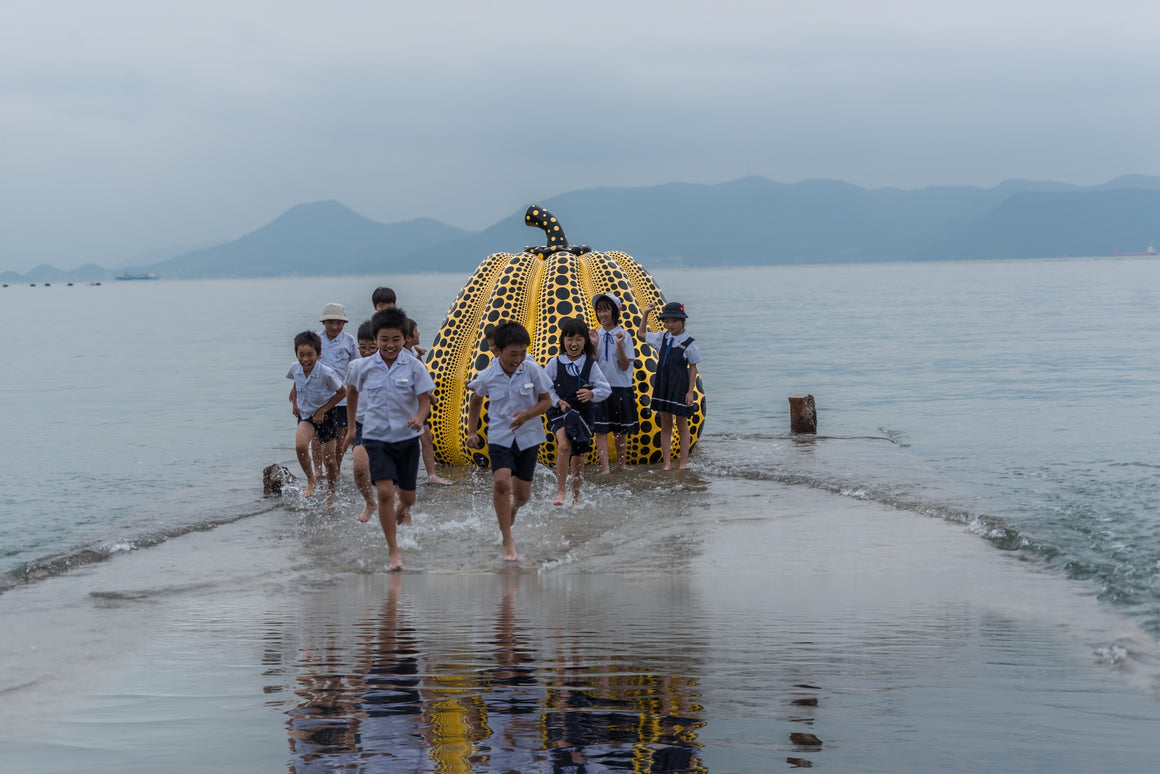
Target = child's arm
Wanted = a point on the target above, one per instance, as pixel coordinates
(416, 422)
(351, 414)
(523, 416)
(621, 356)
(690, 395)
(334, 401)
(474, 441)
(642, 329)
(294, 399)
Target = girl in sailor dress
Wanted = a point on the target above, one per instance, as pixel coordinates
(615, 355)
(577, 386)
(676, 377)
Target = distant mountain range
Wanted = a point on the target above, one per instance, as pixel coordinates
(750, 221)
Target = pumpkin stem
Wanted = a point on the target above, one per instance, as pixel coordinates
(538, 217)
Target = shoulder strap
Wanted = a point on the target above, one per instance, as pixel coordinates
(586, 371)
(685, 343)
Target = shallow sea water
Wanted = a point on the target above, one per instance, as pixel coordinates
(963, 568)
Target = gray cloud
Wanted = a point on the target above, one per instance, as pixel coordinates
(130, 125)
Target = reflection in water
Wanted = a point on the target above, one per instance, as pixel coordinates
(515, 698)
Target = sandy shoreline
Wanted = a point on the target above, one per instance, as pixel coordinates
(899, 641)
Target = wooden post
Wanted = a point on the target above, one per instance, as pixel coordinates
(803, 417)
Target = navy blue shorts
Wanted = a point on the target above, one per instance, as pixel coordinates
(397, 461)
(326, 429)
(521, 462)
(358, 434)
(339, 413)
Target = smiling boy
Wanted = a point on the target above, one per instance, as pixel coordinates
(394, 391)
(518, 390)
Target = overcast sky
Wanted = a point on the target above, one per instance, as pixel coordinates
(128, 126)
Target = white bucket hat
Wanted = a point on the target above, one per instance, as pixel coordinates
(610, 296)
(333, 312)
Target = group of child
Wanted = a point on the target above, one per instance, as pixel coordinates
(374, 395)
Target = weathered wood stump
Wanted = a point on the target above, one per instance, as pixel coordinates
(803, 417)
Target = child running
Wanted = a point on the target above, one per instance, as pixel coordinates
(339, 348)
(317, 390)
(615, 354)
(358, 456)
(397, 391)
(676, 379)
(518, 390)
(577, 386)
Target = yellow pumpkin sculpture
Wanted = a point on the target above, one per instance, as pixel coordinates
(537, 288)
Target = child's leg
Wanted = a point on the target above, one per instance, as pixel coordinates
(521, 493)
(429, 458)
(330, 462)
(683, 435)
(577, 464)
(501, 497)
(403, 511)
(362, 479)
(563, 452)
(602, 452)
(302, 438)
(385, 489)
(666, 420)
(316, 455)
(621, 450)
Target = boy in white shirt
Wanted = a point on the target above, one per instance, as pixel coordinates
(317, 390)
(394, 390)
(518, 390)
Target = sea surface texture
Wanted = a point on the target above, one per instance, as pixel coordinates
(968, 551)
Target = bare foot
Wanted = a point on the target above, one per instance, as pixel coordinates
(366, 514)
(439, 481)
(509, 551)
(396, 562)
(403, 516)
(667, 466)
(559, 498)
(311, 483)
(621, 466)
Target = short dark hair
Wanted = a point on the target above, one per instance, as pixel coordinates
(411, 327)
(364, 331)
(574, 326)
(607, 301)
(383, 296)
(308, 337)
(509, 333)
(389, 318)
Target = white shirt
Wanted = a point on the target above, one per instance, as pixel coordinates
(656, 340)
(510, 395)
(391, 394)
(608, 359)
(596, 381)
(339, 353)
(313, 391)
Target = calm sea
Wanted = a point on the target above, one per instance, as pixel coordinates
(1018, 399)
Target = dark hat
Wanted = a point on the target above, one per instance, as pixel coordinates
(673, 309)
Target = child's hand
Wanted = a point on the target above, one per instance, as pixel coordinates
(563, 405)
(415, 423)
(318, 417)
(648, 309)
(420, 353)
(689, 398)
(517, 420)
(294, 409)
(619, 338)
(584, 394)
(474, 441)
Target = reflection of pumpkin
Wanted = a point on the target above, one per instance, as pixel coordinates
(537, 288)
